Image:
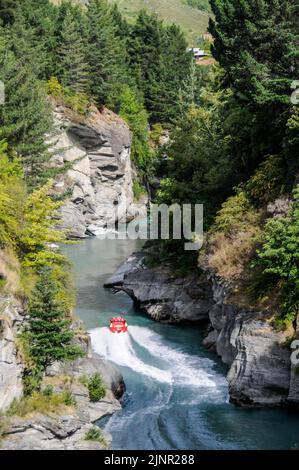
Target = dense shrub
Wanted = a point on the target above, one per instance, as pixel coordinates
(268, 182)
(95, 434)
(233, 238)
(96, 387)
(279, 260)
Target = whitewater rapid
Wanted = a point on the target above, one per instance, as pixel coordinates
(145, 352)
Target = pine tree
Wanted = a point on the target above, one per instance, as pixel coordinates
(25, 118)
(104, 51)
(33, 34)
(256, 41)
(48, 333)
(176, 61)
(146, 60)
(159, 59)
(122, 26)
(72, 52)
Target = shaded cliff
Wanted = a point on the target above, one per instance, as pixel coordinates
(98, 181)
(258, 356)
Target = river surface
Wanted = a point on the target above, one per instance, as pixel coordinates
(177, 394)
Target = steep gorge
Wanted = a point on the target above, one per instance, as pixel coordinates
(99, 181)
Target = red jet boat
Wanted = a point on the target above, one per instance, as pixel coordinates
(118, 325)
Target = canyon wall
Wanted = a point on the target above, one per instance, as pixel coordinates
(260, 372)
(94, 155)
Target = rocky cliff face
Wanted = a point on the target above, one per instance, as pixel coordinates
(11, 367)
(258, 356)
(99, 175)
(65, 430)
(165, 297)
(260, 371)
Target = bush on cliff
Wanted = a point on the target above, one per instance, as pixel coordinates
(95, 386)
(279, 260)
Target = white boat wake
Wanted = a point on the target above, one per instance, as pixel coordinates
(175, 366)
(118, 348)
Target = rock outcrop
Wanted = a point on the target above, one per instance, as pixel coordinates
(11, 368)
(165, 297)
(258, 356)
(98, 178)
(66, 429)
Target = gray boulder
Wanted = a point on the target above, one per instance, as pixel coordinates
(162, 295)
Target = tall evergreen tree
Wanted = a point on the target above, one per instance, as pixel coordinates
(159, 59)
(48, 332)
(38, 19)
(104, 53)
(146, 48)
(176, 61)
(256, 42)
(72, 53)
(122, 26)
(25, 118)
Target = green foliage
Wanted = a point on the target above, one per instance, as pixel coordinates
(279, 257)
(131, 109)
(235, 214)
(38, 230)
(104, 54)
(32, 377)
(72, 55)
(259, 73)
(95, 434)
(96, 387)
(48, 333)
(7, 12)
(38, 403)
(77, 102)
(11, 189)
(138, 190)
(200, 168)
(232, 240)
(25, 118)
(241, 30)
(155, 52)
(48, 391)
(54, 88)
(68, 398)
(268, 182)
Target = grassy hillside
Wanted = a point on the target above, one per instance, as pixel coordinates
(193, 21)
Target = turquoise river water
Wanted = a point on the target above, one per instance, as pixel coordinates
(177, 394)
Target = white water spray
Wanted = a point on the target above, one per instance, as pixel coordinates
(184, 370)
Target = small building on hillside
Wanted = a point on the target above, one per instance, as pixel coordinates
(198, 53)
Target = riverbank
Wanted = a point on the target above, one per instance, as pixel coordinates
(260, 372)
(176, 390)
(34, 423)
